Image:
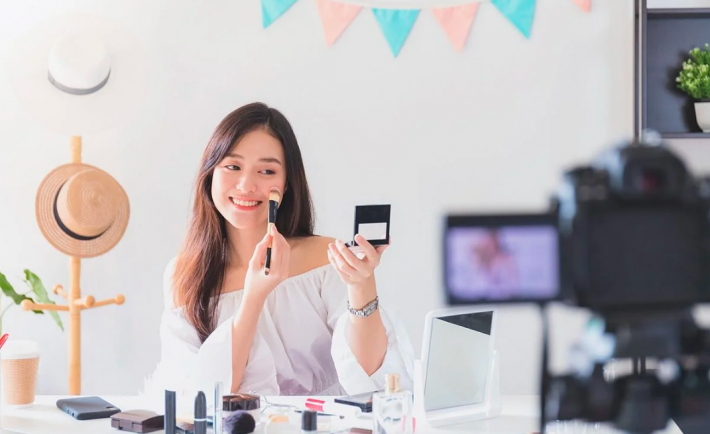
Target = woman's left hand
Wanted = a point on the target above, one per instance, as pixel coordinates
(355, 272)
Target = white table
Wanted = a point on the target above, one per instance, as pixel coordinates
(43, 417)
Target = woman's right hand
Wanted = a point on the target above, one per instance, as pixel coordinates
(256, 283)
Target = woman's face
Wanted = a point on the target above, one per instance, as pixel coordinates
(487, 249)
(241, 182)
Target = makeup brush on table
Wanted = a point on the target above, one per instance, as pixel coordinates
(274, 200)
(239, 422)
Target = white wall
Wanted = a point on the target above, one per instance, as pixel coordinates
(431, 131)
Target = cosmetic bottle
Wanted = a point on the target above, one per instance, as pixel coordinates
(309, 422)
(170, 410)
(200, 413)
(392, 409)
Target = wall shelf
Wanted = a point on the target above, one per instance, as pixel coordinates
(691, 12)
(686, 135)
(664, 37)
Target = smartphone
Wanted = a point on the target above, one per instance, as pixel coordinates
(363, 401)
(88, 407)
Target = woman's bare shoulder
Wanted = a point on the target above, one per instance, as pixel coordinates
(308, 253)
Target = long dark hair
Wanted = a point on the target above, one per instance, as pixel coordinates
(203, 258)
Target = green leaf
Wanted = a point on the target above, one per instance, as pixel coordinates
(38, 312)
(9, 291)
(38, 288)
(694, 76)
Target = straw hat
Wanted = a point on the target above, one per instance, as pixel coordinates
(79, 74)
(81, 210)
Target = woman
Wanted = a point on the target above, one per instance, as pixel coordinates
(494, 267)
(289, 332)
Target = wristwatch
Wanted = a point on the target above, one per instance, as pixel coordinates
(367, 310)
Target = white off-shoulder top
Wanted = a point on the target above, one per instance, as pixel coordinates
(300, 346)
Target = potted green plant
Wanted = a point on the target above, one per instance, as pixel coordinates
(694, 79)
(35, 287)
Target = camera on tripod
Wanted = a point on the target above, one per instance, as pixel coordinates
(627, 237)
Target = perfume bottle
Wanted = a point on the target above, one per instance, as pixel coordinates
(392, 409)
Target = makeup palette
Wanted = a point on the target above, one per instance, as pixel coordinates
(373, 223)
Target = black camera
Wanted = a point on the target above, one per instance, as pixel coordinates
(627, 237)
(634, 232)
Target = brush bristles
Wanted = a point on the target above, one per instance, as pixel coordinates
(275, 195)
(239, 422)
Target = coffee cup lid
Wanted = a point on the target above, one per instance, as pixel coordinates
(19, 349)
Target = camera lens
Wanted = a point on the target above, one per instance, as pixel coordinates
(652, 180)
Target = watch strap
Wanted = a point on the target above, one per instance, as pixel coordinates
(367, 310)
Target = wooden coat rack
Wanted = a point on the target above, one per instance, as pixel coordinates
(75, 303)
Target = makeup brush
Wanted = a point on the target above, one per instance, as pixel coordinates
(239, 422)
(274, 199)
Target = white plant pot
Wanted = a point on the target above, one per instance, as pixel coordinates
(702, 114)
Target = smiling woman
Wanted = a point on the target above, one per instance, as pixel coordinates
(298, 329)
(240, 165)
(248, 178)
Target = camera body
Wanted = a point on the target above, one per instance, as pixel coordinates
(634, 232)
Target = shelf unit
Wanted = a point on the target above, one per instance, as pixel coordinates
(663, 39)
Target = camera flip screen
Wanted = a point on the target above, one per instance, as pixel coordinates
(642, 257)
(501, 258)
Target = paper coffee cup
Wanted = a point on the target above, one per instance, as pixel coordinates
(20, 366)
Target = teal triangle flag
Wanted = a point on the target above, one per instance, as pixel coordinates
(396, 25)
(518, 12)
(271, 10)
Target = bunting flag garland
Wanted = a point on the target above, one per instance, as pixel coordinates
(586, 5)
(456, 22)
(271, 10)
(336, 17)
(518, 12)
(396, 24)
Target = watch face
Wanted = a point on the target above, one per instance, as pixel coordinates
(371, 307)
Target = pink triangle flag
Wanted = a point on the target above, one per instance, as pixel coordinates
(336, 17)
(586, 5)
(456, 22)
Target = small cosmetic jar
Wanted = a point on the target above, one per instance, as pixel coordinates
(243, 402)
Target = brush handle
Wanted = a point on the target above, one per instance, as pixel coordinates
(273, 207)
(267, 264)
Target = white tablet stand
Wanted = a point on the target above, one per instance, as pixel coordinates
(447, 410)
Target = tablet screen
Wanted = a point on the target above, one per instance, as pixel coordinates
(497, 259)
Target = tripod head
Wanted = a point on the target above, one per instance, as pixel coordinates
(644, 400)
